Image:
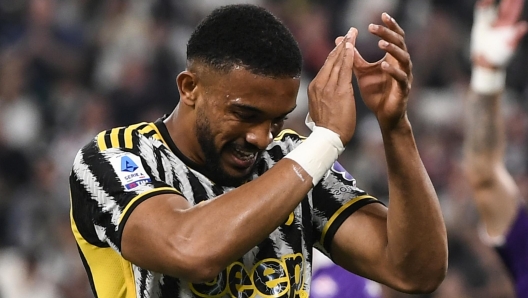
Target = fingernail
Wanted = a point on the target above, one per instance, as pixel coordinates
(384, 43)
(373, 27)
(348, 45)
(384, 64)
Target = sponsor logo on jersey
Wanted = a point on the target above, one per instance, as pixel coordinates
(268, 278)
(132, 174)
(135, 184)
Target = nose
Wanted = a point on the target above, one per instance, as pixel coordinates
(260, 135)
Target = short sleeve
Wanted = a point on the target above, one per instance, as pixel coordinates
(514, 252)
(335, 198)
(106, 186)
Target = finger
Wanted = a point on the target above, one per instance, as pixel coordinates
(389, 35)
(338, 40)
(509, 12)
(402, 56)
(391, 23)
(345, 74)
(359, 61)
(326, 69)
(338, 65)
(401, 77)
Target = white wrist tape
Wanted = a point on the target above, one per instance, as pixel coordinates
(318, 152)
(494, 44)
(487, 81)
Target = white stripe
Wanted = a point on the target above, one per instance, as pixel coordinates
(97, 193)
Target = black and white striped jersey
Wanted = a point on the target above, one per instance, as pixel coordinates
(122, 167)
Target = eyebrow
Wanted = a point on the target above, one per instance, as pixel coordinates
(253, 109)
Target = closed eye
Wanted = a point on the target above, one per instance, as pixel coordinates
(246, 117)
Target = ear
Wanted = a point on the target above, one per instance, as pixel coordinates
(187, 82)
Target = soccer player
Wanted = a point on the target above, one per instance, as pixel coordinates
(495, 36)
(217, 200)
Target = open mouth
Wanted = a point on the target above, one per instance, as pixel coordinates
(243, 158)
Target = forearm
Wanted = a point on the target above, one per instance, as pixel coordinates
(416, 234)
(494, 190)
(484, 139)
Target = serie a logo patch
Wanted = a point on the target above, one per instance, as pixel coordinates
(130, 171)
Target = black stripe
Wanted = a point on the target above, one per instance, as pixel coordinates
(307, 228)
(105, 174)
(135, 137)
(217, 190)
(159, 154)
(170, 287)
(175, 181)
(266, 250)
(121, 137)
(88, 271)
(276, 153)
(199, 192)
(82, 207)
(143, 283)
(330, 233)
(107, 139)
(151, 133)
(140, 127)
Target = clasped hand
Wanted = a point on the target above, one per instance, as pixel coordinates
(384, 84)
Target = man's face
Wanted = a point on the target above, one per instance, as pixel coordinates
(237, 115)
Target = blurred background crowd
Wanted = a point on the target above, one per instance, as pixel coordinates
(71, 68)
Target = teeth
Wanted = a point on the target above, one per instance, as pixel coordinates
(244, 154)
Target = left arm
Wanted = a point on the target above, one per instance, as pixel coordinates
(404, 246)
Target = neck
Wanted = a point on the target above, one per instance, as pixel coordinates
(183, 133)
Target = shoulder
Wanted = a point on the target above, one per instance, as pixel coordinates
(140, 139)
(127, 137)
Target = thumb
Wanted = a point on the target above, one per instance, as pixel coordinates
(359, 61)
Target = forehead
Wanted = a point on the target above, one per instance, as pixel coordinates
(240, 86)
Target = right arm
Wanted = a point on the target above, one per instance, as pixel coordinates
(494, 190)
(166, 234)
(494, 39)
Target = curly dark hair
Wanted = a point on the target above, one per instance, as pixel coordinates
(248, 36)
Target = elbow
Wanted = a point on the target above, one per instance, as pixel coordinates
(425, 279)
(202, 273)
(196, 265)
(481, 176)
(423, 284)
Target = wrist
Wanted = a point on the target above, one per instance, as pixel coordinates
(487, 81)
(402, 125)
(318, 152)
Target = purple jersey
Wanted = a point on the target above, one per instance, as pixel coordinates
(514, 252)
(334, 281)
